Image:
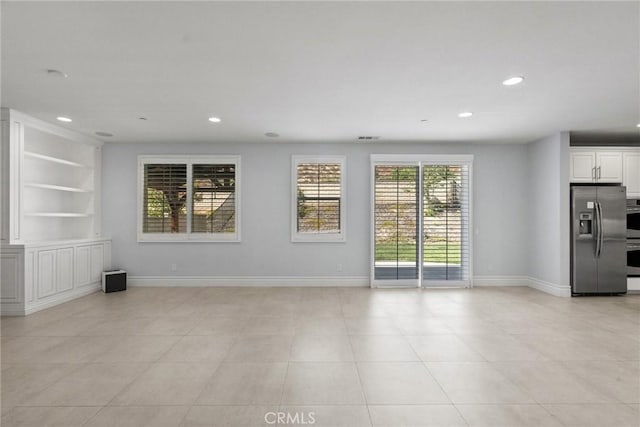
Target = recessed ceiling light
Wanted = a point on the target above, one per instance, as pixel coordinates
(106, 134)
(56, 73)
(424, 120)
(64, 119)
(142, 118)
(215, 119)
(272, 134)
(513, 81)
(465, 114)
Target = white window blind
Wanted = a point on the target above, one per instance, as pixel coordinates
(396, 220)
(445, 193)
(189, 198)
(165, 197)
(214, 206)
(318, 195)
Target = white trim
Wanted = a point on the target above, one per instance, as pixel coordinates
(296, 236)
(49, 127)
(14, 310)
(501, 281)
(248, 281)
(549, 288)
(188, 236)
(427, 159)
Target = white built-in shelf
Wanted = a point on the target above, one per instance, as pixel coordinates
(57, 187)
(55, 160)
(59, 214)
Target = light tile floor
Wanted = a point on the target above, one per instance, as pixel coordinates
(336, 356)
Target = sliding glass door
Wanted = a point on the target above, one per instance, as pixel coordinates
(396, 249)
(445, 224)
(421, 216)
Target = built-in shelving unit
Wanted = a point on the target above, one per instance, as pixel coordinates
(52, 246)
(54, 176)
(59, 214)
(54, 159)
(57, 187)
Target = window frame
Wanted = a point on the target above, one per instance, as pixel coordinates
(301, 237)
(188, 236)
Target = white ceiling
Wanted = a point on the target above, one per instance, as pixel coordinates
(324, 71)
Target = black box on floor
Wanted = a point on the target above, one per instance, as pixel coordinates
(114, 281)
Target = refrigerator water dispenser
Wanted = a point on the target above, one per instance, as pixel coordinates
(586, 222)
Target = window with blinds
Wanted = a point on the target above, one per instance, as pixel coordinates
(165, 196)
(318, 195)
(421, 220)
(396, 249)
(188, 198)
(445, 222)
(214, 203)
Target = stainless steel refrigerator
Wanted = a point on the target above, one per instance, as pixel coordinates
(598, 240)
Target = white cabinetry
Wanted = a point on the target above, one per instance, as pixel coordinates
(46, 273)
(596, 166)
(37, 276)
(631, 173)
(52, 248)
(583, 165)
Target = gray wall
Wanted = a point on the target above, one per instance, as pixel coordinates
(548, 205)
(500, 208)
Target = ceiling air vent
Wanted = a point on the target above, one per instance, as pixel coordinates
(368, 138)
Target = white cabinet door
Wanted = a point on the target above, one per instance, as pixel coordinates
(631, 174)
(582, 168)
(83, 265)
(609, 166)
(64, 269)
(10, 277)
(97, 262)
(46, 273)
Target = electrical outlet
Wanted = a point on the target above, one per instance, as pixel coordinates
(174, 267)
(339, 267)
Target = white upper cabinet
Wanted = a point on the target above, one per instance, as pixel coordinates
(583, 165)
(596, 166)
(608, 166)
(631, 173)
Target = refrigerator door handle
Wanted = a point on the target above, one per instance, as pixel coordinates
(599, 234)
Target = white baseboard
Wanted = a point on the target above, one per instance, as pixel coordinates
(500, 281)
(14, 309)
(62, 298)
(549, 288)
(11, 309)
(323, 281)
(248, 281)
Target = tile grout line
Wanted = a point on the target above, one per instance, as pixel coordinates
(445, 392)
(364, 394)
